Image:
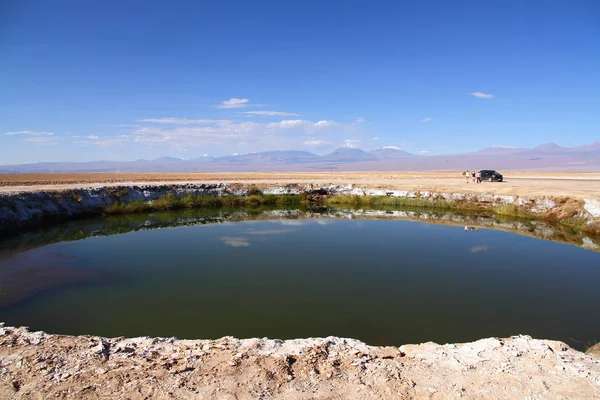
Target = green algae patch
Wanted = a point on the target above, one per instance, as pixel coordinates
(389, 201)
(510, 210)
(189, 201)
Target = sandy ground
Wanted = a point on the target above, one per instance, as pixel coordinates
(582, 185)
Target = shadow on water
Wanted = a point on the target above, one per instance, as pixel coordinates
(272, 274)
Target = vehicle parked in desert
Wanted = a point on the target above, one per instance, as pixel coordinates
(491, 175)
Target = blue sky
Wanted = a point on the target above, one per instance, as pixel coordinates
(123, 80)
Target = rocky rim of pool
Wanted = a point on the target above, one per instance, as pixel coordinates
(36, 363)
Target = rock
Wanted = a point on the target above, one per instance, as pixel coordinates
(101, 349)
(594, 350)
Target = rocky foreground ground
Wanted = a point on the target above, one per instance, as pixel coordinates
(35, 365)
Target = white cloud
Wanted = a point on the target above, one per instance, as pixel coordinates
(316, 142)
(108, 143)
(40, 140)
(184, 121)
(325, 124)
(481, 95)
(359, 121)
(427, 119)
(30, 133)
(352, 143)
(424, 152)
(104, 142)
(294, 222)
(270, 113)
(391, 147)
(151, 139)
(375, 138)
(479, 249)
(289, 123)
(234, 103)
(235, 241)
(268, 231)
(229, 136)
(301, 123)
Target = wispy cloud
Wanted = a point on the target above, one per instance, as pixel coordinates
(424, 152)
(479, 249)
(235, 135)
(481, 95)
(110, 142)
(234, 103)
(352, 143)
(316, 142)
(293, 222)
(268, 231)
(375, 138)
(301, 123)
(325, 124)
(391, 147)
(184, 121)
(30, 133)
(40, 140)
(427, 119)
(91, 137)
(270, 113)
(235, 241)
(36, 137)
(289, 124)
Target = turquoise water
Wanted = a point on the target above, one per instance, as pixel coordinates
(386, 282)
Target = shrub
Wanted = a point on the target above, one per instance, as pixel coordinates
(254, 191)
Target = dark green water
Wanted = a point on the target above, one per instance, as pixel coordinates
(386, 282)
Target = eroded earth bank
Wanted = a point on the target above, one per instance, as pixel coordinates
(20, 210)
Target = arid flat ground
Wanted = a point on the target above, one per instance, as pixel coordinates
(580, 184)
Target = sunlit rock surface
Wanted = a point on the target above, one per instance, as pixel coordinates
(38, 365)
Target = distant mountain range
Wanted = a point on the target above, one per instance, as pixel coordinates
(547, 156)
